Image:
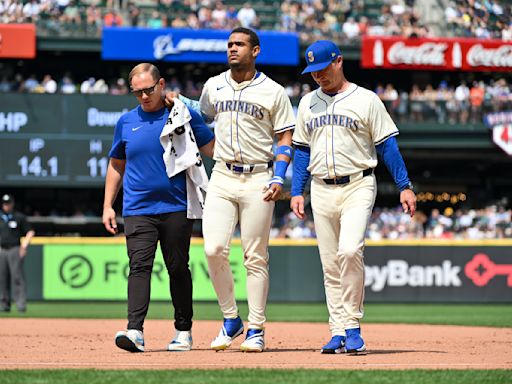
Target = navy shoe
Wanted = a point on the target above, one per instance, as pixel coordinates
(354, 342)
(335, 345)
(231, 329)
(254, 342)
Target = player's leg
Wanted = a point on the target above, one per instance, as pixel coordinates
(175, 231)
(326, 212)
(219, 220)
(358, 201)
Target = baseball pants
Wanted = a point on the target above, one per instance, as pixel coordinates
(341, 214)
(237, 198)
(142, 235)
(11, 274)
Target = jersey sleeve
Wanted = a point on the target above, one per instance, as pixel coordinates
(202, 133)
(118, 146)
(382, 127)
(282, 115)
(204, 101)
(301, 135)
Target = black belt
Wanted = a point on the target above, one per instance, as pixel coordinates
(247, 168)
(7, 247)
(346, 179)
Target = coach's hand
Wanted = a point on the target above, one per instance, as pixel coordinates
(109, 220)
(297, 206)
(168, 99)
(408, 201)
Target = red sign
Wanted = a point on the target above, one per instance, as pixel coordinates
(436, 54)
(18, 41)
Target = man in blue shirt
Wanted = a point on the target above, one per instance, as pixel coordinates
(154, 207)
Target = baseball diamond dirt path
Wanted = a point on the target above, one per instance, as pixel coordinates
(62, 343)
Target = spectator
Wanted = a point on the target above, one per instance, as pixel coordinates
(112, 19)
(67, 86)
(49, 85)
(247, 16)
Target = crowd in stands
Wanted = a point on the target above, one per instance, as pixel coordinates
(491, 222)
(343, 20)
(443, 103)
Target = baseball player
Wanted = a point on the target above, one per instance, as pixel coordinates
(249, 109)
(340, 129)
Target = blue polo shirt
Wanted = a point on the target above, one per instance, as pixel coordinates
(147, 190)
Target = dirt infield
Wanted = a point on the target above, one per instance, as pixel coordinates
(61, 343)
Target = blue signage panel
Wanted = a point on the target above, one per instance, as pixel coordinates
(192, 46)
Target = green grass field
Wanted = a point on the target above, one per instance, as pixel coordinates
(453, 314)
(257, 376)
(492, 315)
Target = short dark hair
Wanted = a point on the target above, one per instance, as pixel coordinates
(253, 37)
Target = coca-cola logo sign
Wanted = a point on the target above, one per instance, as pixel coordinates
(424, 54)
(490, 57)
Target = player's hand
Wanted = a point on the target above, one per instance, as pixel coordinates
(297, 206)
(109, 220)
(168, 100)
(408, 201)
(272, 192)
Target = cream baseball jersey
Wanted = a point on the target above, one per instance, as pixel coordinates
(342, 130)
(247, 116)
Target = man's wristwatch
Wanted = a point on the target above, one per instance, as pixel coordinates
(409, 186)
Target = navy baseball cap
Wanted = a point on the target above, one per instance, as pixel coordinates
(320, 54)
(6, 199)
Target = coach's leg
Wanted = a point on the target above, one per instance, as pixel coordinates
(358, 201)
(219, 220)
(255, 223)
(326, 213)
(175, 231)
(141, 240)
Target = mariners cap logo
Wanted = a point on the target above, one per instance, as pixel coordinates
(311, 57)
(333, 55)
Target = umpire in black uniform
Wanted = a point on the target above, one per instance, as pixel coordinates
(13, 225)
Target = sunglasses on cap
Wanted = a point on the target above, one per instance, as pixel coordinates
(147, 91)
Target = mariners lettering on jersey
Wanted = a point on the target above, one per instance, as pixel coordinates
(239, 106)
(339, 120)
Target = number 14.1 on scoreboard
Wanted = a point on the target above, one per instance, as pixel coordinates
(36, 166)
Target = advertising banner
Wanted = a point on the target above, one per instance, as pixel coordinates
(447, 54)
(500, 123)
(192, 46)
(18, 41)
(99, 272)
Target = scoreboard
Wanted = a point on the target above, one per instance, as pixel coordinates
(57, 140)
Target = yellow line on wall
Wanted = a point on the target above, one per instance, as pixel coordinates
(290, 242)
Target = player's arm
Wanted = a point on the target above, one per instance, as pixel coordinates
(390, 154)
(283, 155)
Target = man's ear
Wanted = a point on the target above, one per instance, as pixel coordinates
(256, 51)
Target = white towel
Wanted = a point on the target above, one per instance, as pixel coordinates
(181, 153)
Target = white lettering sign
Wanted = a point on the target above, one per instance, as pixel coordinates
(490, 57)
(12, 121)
(424, 54)
(96, 118)
(398, 273)
(163, 46)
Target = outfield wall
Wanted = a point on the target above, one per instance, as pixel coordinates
(396, 271)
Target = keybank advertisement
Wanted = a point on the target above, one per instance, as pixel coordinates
(192, 46)
(99, 272)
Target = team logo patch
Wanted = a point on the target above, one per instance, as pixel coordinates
(311, 57)
(333, 54)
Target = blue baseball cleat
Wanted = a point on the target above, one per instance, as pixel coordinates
(254, 342)
(335, 345)
(231, 329)
(354, 342)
